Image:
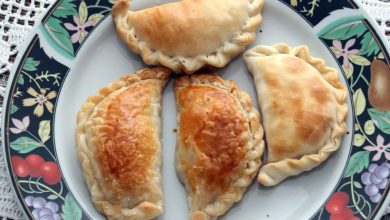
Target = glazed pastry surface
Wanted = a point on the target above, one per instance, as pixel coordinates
(118, 143)
(219, 143)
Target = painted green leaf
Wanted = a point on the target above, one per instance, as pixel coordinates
(64, 12)
(24, 145)
(21, 79)
(358, 140)
(52, 197)
(83, 12)
(345, 31)
(380, 119)
(30, 64)
(381, 56)
(369, 127)
(66, 8)
(82, 36)
(70, 209)
(14, 109)
(95, 18)
(359, 102)
(357, 185)
(357, 163)
(44, 130)
(359, 60)
(335, 51)
(59, 34)
(18, 93)
(348, 70)
(369, 45)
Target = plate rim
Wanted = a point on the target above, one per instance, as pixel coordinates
(21, 53)
(386, 43)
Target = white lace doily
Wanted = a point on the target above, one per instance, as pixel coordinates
(16, 20)
(380, 10)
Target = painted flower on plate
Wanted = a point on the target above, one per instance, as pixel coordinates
(339, 51)
(380, 148)
(20, 125)
(40, 99)
(79, 28)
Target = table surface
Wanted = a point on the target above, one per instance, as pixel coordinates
(17, 18)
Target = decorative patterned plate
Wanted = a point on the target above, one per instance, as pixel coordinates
(75, 51)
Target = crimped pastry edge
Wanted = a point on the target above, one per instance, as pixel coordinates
(189, 65)
(144, 210)
(273, 173)
(256, 143)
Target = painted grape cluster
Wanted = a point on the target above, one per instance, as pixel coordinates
(43, 210)
(365, 67)
(375, 179)
(31, 149)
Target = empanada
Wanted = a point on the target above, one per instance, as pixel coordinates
(303, 108)
(219, 143)
(189, 34)
(118, 144)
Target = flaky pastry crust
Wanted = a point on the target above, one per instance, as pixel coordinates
(189, 34)
(303, 108)
(219, 143)
(118, 145)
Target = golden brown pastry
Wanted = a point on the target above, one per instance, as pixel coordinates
(302, 106)
(189, 34)
(118, 144)
(219, 143)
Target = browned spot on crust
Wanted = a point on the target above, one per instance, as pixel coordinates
(309, 128)
(293, 164)
(128, 138)
(271, 81)
(283, 150)
(212, 126)
(275, 105)
(318, 91)
(294, 65)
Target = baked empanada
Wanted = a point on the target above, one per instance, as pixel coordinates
(189, 34)
(118, 144)
(219, 143)
(303, 108)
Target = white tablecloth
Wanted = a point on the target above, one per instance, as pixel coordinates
(13, 34)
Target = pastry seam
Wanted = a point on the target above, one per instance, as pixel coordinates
(219, 58)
